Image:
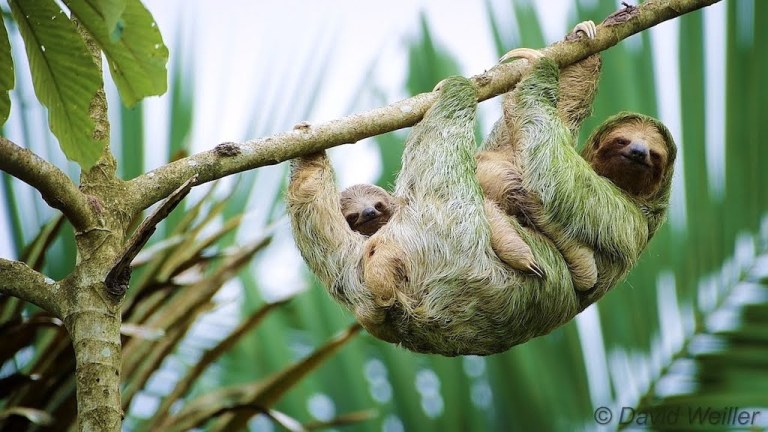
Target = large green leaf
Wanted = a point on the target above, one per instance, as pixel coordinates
(111, 10)
(135, 50)
(64, 76)
(6, 73)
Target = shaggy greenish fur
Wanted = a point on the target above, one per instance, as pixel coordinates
(576, 202)
(429, 279)
(450, 294)
(500, 171)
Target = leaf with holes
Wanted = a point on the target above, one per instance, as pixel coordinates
(135, 50)
(64, 76)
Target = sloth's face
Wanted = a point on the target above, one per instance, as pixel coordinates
(366, 208)
(634, 157)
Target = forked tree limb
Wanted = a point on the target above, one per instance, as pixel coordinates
(54, 185)
(230, 158)
(118, 277)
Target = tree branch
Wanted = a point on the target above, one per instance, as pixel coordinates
(117, 279)
(19, 280)
(230, 158)
(54, 185)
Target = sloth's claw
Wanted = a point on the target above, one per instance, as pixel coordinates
(587, 27)
(527, 53)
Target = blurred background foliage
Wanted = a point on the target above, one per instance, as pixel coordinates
(206, 346)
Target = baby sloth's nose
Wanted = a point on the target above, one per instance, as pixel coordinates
(369, 213)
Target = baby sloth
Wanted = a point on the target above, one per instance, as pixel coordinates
(366, 208)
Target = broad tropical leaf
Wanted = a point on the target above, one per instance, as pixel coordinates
(6, 73)
(64, 76)
(135, 50)
(111, 10)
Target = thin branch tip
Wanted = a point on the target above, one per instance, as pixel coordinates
(231, 158)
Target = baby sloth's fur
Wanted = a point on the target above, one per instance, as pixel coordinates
(430, 279)
(368, 207)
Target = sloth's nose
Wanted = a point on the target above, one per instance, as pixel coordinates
(637, 151)
(369, 213)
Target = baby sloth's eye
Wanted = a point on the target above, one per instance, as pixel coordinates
(351, 218)
(621, 142)
(656, 157)
(379, 206)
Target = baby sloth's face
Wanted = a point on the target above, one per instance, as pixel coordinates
(366, 208)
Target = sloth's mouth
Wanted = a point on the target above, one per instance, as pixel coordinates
(371, 226)
(374, 221)
(635, 161)
(368, 219)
